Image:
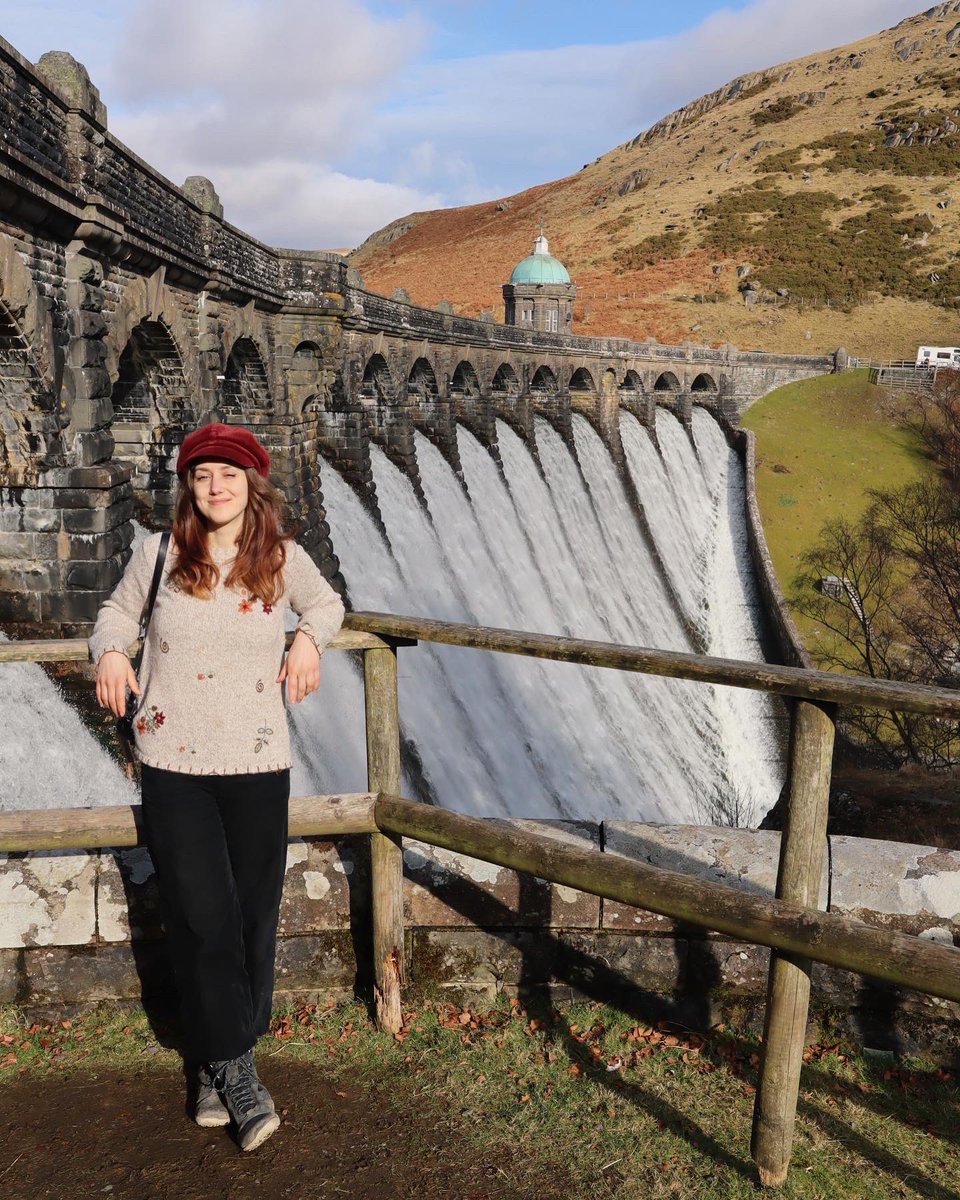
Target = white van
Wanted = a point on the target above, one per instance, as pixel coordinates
(938, 356)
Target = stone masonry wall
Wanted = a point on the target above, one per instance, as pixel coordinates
(80, 927)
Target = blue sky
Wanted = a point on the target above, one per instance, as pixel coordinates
(321, 120)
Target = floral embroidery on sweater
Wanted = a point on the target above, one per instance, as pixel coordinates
(264, 732)
(245, 605)
(267, 608)
(164, 647)
(205, 675)
(151, 721)
(259, 685)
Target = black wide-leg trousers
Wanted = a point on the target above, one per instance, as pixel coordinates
(218, 844)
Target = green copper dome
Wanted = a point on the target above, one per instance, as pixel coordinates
(540, 266)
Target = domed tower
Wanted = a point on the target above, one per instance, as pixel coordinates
(539, 294)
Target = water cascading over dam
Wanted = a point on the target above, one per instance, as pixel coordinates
(556, 548)
(559, 550)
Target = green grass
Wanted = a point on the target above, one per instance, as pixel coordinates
(837, 437)
(619, 1108)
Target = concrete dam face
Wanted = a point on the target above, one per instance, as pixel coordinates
(558, 538)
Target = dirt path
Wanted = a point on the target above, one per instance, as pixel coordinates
(113, 1134)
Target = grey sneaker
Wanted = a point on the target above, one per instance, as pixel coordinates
(209, 1111)
(247, 1101)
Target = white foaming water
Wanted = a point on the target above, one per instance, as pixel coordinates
(48, 759)
(561, 550)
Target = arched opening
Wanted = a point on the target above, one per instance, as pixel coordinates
(246, 389)
(150, 411)
(704, 383)
(544, 382)
(667, 382)
(505, 383)
(582, 381)
(632, 384)
(422, 382)
(29, 439)
(303, 377)
(464, 383)
(376, 385)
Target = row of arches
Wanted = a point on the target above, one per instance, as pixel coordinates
(377, 383)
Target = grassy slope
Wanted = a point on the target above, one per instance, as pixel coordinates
(836, 436)
(619, 1108)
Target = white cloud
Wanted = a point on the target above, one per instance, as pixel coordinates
(305, 206)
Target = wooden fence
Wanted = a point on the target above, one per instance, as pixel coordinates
(790, 924)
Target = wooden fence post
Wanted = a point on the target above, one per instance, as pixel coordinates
(386, 855)
(802, 847)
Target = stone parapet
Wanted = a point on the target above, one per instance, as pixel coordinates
(80, 927)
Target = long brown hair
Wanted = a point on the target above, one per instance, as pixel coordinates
(261, 549)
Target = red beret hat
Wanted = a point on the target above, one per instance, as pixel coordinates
(232, 443)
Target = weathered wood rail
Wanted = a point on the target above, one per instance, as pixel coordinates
(791, 925)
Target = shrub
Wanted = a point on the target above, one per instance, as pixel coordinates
(651, 250)
(779, 110)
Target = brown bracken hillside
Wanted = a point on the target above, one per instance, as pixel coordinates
(813, 204)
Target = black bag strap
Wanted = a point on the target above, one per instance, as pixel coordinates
(154, 588)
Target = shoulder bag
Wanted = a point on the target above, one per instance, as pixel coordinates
(125, 723)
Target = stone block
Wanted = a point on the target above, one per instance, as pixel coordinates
(93, 446)
(85, 975)
(47, 898)
(19, 576)
(914, 889)
(443, 888)
(321, 876)
(28, 546)
(91, 484)
(590, 961)
(41, 520)
(9, 976)
(315, 961)
(72, 606)
(19, 607)
(742, 858)
(97, 520)
(85, 353)
(87, 324)
(99, 575)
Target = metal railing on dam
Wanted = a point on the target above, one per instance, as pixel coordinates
(791, 924)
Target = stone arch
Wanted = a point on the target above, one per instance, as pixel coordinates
(422, 385)
(246, 388)
(667, 382)
(544, 382)
(376, 385)
(464, 383)
(29, 433)
(149, 300)
(582, 381)
(505, 384)
(632, 383)
(704, 383)
(303, 376)
(150, 410)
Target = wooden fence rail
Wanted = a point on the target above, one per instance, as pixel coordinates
(790, 924)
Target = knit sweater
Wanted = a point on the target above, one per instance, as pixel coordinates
(210, 703)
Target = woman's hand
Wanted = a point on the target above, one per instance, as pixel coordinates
(114, 675)
(301, 669)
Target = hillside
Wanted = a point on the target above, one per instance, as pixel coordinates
(821, 446)
(832, 179)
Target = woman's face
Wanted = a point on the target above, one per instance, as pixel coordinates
(220, 493)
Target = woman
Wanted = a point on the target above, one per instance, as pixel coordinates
(212, 740)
